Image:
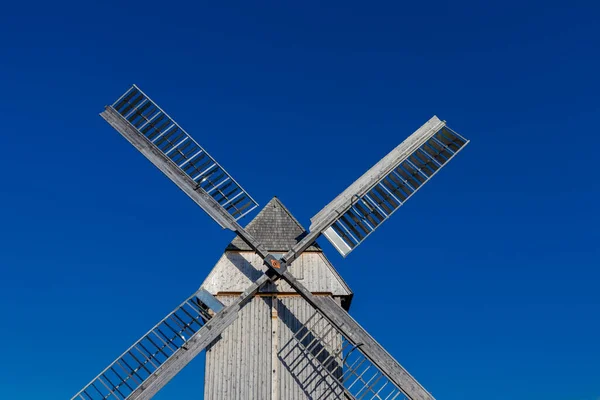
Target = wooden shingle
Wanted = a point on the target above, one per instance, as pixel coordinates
(275, 227)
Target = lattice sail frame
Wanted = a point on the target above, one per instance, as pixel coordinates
(132, 115)
(338, 368)
(356, 213)
(146, 356)
(154, 124)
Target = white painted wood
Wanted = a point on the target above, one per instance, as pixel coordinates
(235, 271)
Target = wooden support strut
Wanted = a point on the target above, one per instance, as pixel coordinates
(198, 342)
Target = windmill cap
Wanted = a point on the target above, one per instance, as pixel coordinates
(275, 228)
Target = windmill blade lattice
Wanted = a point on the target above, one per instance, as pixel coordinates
(146, 356)
(373, 198)
(339, 369)
(346, 222)
(156, 126)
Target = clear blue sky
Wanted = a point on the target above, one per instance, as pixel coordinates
(485, 285)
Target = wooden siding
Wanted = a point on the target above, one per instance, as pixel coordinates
(240, 365)
(235, 271)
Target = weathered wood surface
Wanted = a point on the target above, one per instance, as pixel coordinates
(194, 345)
(335, 314)
(383, 167)
(369, 346)
(342, 321)
(235, 271)
(168, 167)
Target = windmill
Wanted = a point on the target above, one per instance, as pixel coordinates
(264, 293)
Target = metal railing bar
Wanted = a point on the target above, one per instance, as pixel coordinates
(373, 203)
(206, 170)
(351, 369)
(350, 225)
(150, 356)
(190, 159)
(390, 193)
(366, 383)
(155, 127)
(217, 186)
(168, 116)
(98, 390)
(397, 188)
(365, 214)
(396, 395)
(372, 214)
(139, 113)
(419, 171)
(167, 344)
(130, 91)
(358, 377)
(376, 395)
(111, 393)
(163, 132)
(242, 216)
(178, 334)
(169, 340)
(239, 210)
(131, 103)
(360, 217)
(429, 157)
(233, 198)
(177, 145)
(141, 364)
(194, 319)
(161, 349)
(323, 348)
(156, 114)
(130, 373)
(340, 223)
(122, 381)
(115, 387)
(225, 196)
(404, 181)
(186, 325)
(430, 148)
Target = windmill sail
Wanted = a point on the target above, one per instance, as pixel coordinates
(353, 333)
(147, 366)
(146, 356)
(340, 368)
(374, 197)
(358, 366)
(141, 121)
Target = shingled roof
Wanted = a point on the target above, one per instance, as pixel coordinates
(275, 227)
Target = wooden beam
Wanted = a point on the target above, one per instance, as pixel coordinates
(334, 314)
(343, 201)
(198, 342)
(339, 318)
(184, 182)
(356, 334)
(168, 167)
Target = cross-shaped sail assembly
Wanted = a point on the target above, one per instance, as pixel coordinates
(361, 367)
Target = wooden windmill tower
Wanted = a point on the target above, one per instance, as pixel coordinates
(272, 314)
(260, 344)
